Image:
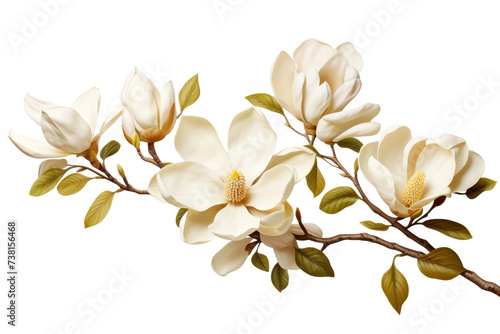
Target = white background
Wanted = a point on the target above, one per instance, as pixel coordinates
(422, 59)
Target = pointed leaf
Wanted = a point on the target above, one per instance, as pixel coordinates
(375, 226)
(315, 180)
(313, 262)
(449, 228)
(484, 184)
(265, 101)
(260, 261)
(441, 263)
(395, 287)
(351, 143)
(47, 181)
(338, 199)
(72, 184)
(179, 216)
(99, 209)
(189, 93)
(279, 277)
(110, 149)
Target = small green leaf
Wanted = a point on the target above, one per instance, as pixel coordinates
(484, 184)
(179, 216)
(99, 209)
(72, 184)
(313, 262)
(395, 287)
(338, 199)
(351, 143)
(441, 263)
(47, 181)
(315, 180)
(449, 228)
(110, 149)
(189, 93)
(265, 101)
(260, 261)
(375, 226)
(279, 277)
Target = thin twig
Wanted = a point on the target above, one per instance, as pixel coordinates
(152, 152)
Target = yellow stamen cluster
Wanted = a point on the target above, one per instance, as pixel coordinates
(413, 189)
(235, 189)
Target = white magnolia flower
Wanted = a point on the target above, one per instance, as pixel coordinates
(410, 173)
(234, 254)
(67, 130)
(147, 111)
(317, 84)
(236, 192)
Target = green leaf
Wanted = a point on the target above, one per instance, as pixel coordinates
(315, 180)
(189, 93)
(260, 261)
(265, 101)
(72, 184)
(179, 216)
(449, 228)
(395, 287)
(313, 262)
(110, 149)
(441, 263)
(484, 184)
(375, 226)
(279, 277)
(351, 143)
(47, 181)
(99, 209)
(338, 199)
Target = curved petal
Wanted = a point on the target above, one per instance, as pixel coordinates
(382, 181)
(344, 94)
(299, 158)
(34, 107)
(273, 188)
(333, 71)
(231, 257)
(279, 241)
(275, 221)
(298, 94)
(469, 174)
(87, 105)
(110, 120)
(312, 53)
(410, 155)
(194, 229)
(192, 185)
(367, 151)
(286, 257)
(359, 130)
(427, 200)
(348, 50)
(234, 222)
(50, 164)
(282, 74)
(158, 191)
(310, 228)
(457, 145)
(128, 123)
(66, 130)
(317, 103)
(35, 148)
(251, 143)
(167, 101)
(196, 140)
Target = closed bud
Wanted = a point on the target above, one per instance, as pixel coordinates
(136, 141)
(356, 165)
(298, 215)
(120, 170)
(439, 201)
(417, 213)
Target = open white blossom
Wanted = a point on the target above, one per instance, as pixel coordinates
(317, 84)
(410, 173)
(67, 130)
(236, 192)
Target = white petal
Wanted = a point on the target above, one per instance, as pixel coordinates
(312, 53)
(367, 151)
(283, 72)
(66, 130)
(35, 106)
(286, 257)
(382, 181)
(158, 191)
(251, 143)
(298, 92)
(196, 140)
(333, 71)
(359, 130)
(273, 188)
(168, 114)
(317, 103)
(299, 158)
(87, 105)
(234, 222)
(275, 221)
(110, 120)
(192, 185)
(344, 94)
(128, 123)
(231, 257)
(469, 174)
(348, 50)
(194, 229)
(457, 145)
(310, 228)
(279, 241)
(51, 164)
(35, 148)
(410, 154)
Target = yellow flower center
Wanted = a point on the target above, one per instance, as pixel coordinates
(413, 189)
(235, 189)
